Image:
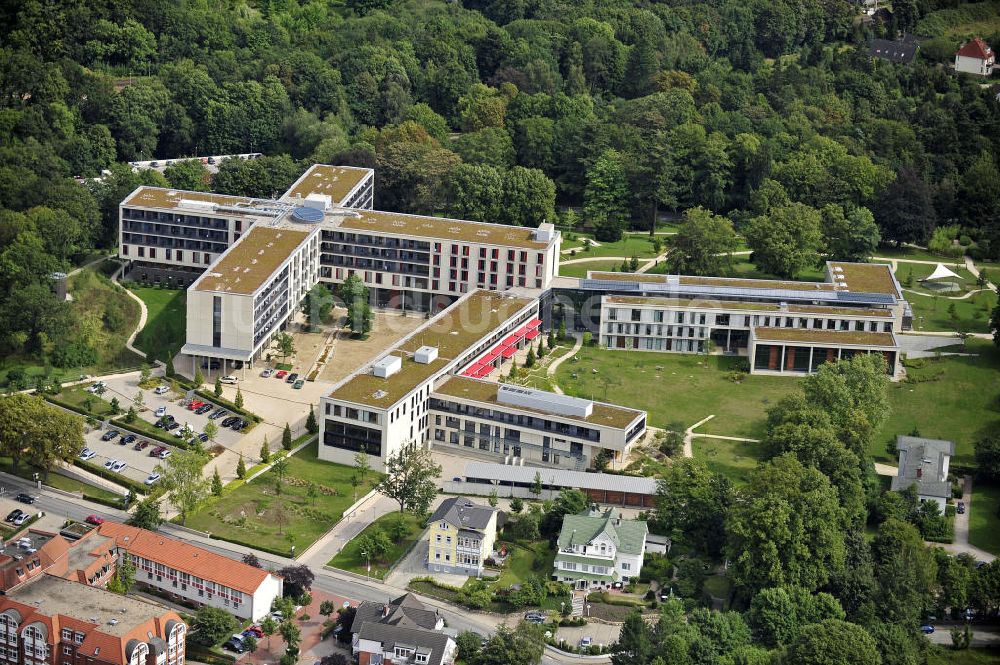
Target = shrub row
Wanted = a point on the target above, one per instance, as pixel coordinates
(151, 433)
(117, 478)
(225, 403)
(608, 599)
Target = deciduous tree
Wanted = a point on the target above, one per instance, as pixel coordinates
(410, 479)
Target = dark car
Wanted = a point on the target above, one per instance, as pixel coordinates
(109, 435)
(235, 644)
(204, 409)
(128, 439)
(212, 364)
(927, 629)
(229, 421)
(291, 377)
(26, 498)
(218, 413)
(172, 426)
(141, 445)
(961, 508)
(203, 437)
(13, 515)
(238, 425)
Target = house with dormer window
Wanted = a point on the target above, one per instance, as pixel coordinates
(460, 536)
(597, 548)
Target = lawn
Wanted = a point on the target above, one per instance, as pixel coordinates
(743, 268)
(165, 322)
(930, 309)
(733, 459)
(580, 269)
(913, 254)
(954, 398)
(974, 18)
(527, 560)
(352, 559)
(941, 655)
(688, 388)
(254, 515)
(77, 396)
(638, 245)
(983, 531)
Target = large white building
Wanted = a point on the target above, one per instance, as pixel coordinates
(782, 327)
(422, 392)
(975, 57)
(598, 548)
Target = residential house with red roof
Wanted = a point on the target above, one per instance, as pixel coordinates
(975, 57)
(190, 572)
(49, 620)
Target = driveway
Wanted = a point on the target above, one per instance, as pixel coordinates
(140, 464)
(600, 633)
(415, 565)
(961, 542)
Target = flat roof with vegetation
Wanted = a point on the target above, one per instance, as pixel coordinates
(442, 228)
(334, 181)
(831, 337)
(485, 392)
(454, 331)
(172, 199)
(248, 264)
(749, 306)
(865, 277)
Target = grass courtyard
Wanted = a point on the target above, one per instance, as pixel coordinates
(352, 559)
(983, 530)
(639, 245)
(255, 515)
(931, 310)
(580, 269)
(165, 322)
(78, 397)
(733, 459)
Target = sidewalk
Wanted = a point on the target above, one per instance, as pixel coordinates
(353, 523)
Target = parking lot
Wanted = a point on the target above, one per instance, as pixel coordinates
(140, 464)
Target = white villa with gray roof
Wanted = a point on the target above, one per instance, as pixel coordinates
(598, 548)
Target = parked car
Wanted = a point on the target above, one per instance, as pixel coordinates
(230, 379)
(535, 617)
(292, 377)
(195, 404)
(182, 431)
(152, 478)
(253, 631)
(278, 616)
(24, 497)
(585, 642)
(927, 629)
(203, 437)
(298, 384)
(235, 644)
(218, 413)
(156, 451)
(87, 454)
(229, 421)
(141, 445)
(211, 160)
(110, 463)
(172, 426)
(202, 410)
(128, 439)
(109, 435)
(119, 466)
(238, 425)
(281, 374)
(97, 387)
(160, 412)
(19, 520)
(266, 374)
(12, 515)
(94, 519)
(163, 454)
(961, 508)
(161, 390)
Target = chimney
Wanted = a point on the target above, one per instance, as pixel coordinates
(385, 611)
(920, 473)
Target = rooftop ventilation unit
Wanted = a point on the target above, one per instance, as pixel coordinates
(379, 394)
(545, 232)
(387, 366)
(425, 355)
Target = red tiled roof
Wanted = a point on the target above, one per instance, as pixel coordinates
(186, 558)
(975, 48)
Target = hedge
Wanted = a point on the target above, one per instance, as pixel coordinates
(608, 599)
(228, 405)
(153, 433)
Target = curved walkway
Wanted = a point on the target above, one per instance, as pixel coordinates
(551, 369)
(143, 316)
(934, 295)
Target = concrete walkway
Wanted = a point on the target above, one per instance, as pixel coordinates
(961, 297)
(551, 369)
(354, 522)
(143, 315)
(970, 265)
(689, 435)
(885, 469)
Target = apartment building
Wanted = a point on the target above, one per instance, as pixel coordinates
(460, 536)
(783, 327)
(598, 548)
(189, 572)
(402, 631)
(385, 405)
(171, 236)
(54, 621)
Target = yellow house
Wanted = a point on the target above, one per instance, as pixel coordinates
(460, 536)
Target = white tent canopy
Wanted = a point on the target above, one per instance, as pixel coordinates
(941, 272)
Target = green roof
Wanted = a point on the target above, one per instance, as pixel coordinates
(580, 575)
(629, 536)
(581, 558)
